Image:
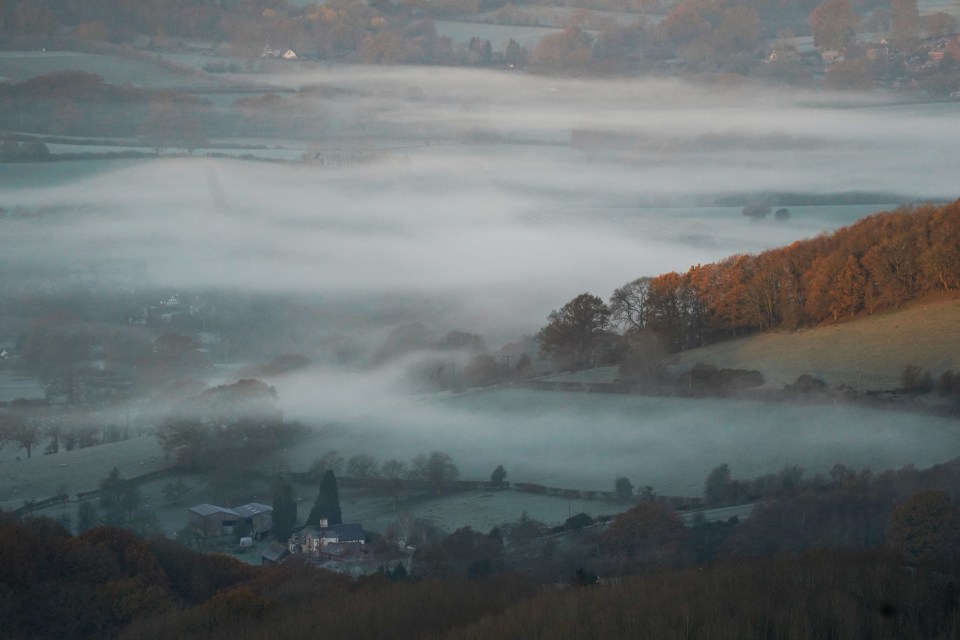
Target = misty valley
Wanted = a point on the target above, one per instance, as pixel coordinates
(584, 319)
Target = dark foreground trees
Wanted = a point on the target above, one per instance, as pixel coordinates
(926, 528)
(108, 583)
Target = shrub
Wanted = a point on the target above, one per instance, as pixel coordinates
(913, 380)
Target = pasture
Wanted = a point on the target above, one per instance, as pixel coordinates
(21, 65)
(869, 352)
(42, 476)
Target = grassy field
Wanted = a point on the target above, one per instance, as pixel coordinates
(21, 65)
(869, 351)
(40, 477)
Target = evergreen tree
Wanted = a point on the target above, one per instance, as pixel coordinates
(327, 504)
(498, 476)
(284, 510)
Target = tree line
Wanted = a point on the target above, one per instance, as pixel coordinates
(726, 35)
(877, 263)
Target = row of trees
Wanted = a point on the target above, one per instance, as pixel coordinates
(909, 510)
(436, 468)
(879, 262)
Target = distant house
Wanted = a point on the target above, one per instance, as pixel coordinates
(313, 541)
(270, 52)
(210, 520)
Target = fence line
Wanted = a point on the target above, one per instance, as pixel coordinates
(35, 505)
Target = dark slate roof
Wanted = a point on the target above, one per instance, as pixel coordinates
(347, 532)
(210, 509)
(275, 552)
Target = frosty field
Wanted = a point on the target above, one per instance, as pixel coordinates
(21, 65)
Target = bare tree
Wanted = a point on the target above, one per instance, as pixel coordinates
(629, 305)
(362, 466)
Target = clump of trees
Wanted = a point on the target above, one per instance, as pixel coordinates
(645, 536)
(908, 510)
(877, 263)
(119, 503)
(435, 468)
(949, 383)
(926, 528)
(21, 425)
(914, 380)
(225, 433)
(578, 336)
(240, 421)
(498, 477)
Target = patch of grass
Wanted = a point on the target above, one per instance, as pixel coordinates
(868, 352)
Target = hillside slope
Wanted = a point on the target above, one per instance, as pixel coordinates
(870, 351)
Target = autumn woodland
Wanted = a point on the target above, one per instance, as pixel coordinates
(878, 263)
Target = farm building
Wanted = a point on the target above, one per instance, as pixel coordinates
(274, 554)
(314, 540)
(210, 520)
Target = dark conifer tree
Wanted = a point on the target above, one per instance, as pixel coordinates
(327, 504)
(284, 510)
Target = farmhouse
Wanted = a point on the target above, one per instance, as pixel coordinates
(270, 52)
(311, 540)
(209, 520)
(330, 542)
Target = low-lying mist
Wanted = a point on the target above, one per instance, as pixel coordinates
(491, 199)
(586, 440)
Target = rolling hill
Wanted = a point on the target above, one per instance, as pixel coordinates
(868, 352)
